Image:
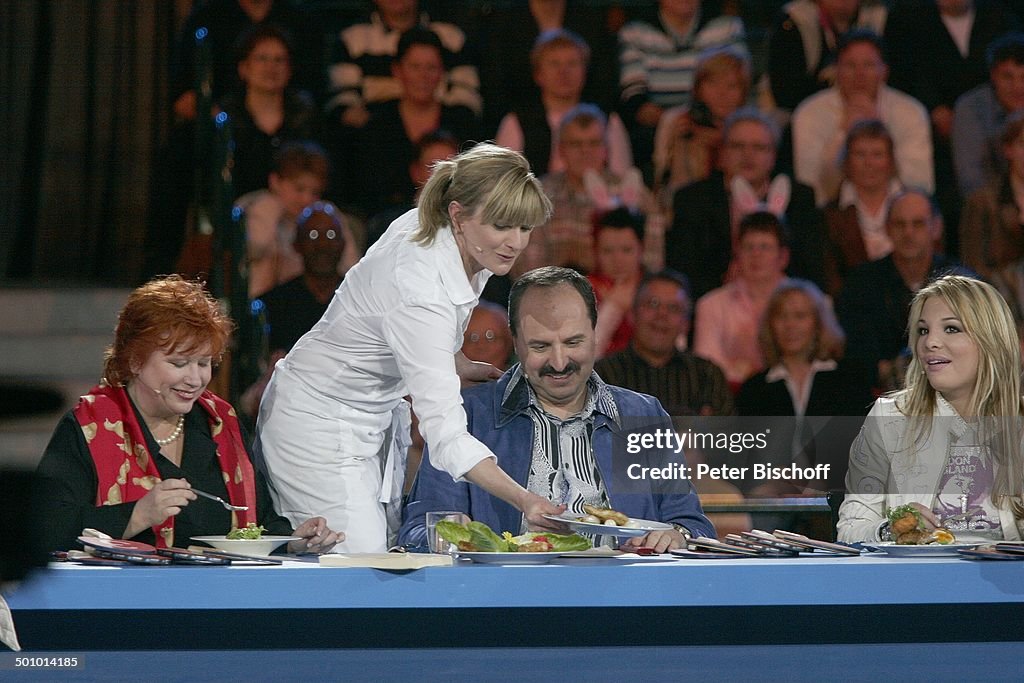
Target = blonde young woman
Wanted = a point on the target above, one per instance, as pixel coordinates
(949, 443)
(333, 426)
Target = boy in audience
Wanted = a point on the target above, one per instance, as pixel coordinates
(297, 181)
(728, 318)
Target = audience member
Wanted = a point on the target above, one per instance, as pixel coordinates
(360, 68)
(559, 60)
(487, 338)
(293, 307)
(981, 113)
(551, 422)
(937, 53)
(587, 187)
(688, 138)
(618, 260)
(125, 459)
(226, 20)
(706, 213)
(728, 318)
(855, 221)
(298, 180)
(992, 230)
(431, 148)
(658, 54)
(804, 384)
(802, 45)
(876, 296)
(803, 346)
(949, 443)
(505, 70)
(266, 110)
(822, 122)
(684, 383)
(387, 143)
(182, 171)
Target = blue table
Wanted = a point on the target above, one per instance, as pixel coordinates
(665, 617)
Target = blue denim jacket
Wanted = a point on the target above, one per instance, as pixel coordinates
(508, 431)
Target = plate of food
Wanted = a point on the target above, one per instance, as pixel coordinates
(915, 538)
(249, 540)
(608, 522)
(926, 550)
(478, 542)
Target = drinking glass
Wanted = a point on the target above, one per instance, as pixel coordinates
(436, 543)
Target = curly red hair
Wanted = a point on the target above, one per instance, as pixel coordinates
(168, 313)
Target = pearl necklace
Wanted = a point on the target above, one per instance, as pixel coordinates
(175, 434)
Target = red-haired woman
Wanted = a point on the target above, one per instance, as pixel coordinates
(125, 459)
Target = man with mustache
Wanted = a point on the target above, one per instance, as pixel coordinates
(552, 422)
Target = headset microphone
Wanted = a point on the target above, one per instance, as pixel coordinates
(155, 391)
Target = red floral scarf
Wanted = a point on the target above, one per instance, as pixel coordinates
(125, 469)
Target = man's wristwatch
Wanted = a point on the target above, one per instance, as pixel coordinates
(684, 531)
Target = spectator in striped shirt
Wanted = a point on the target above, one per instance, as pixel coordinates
(360, 71)
(658, 55)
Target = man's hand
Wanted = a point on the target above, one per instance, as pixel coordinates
(661, 541)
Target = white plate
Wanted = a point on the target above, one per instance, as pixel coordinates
(641, 528)
(509, 558)
(256, 546)
(930, 550)
(603, 551)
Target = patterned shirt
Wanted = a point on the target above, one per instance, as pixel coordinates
(563, 468)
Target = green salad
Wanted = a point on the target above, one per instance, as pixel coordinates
(251, 532)
(478, 537)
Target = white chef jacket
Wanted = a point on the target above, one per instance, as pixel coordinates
(335, 402)
(392, 329)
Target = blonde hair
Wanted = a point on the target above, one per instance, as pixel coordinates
(495, 180)
(996, 395)
(829, 338)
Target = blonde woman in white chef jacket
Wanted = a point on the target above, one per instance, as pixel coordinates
(333, 428)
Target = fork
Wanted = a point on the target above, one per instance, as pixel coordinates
(227, 506)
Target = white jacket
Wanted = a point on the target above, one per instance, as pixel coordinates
(887, 470)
